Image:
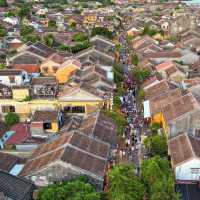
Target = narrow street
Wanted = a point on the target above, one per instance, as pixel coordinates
(132, 133)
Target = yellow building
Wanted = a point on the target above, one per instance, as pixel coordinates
(46, 121)
(20, 93)
(159, 118)
(60, 68)
(73, 99)
(90, 18)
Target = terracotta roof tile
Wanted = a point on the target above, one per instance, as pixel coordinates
(182, 148)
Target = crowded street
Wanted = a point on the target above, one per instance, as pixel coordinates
(132, 133)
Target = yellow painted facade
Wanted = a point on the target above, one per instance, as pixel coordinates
(25, 108)
(54, 127)
(63, 74)
(90, 18)
(20, 93)
(48, 68)
(159, 118)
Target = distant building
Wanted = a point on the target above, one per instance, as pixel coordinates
(15, 188)
(184, 151)
(71, 155)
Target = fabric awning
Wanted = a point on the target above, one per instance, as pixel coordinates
(146, 105)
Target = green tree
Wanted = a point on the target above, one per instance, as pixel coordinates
(135, 60)
(25, 30)
(149, 31)
(124, 184)
(141, 94)
(80, 46)
(64, 47)
(158, 178)
(3, 31)
(73, 24)
(155, 127)
(73, 190)
(24, 11)
(2, 65)
(102, 31)
(3, 3)
(157, 145)
(52, 24)
(31, 38)
(49, 40)
(80, 37)
(140, 74)
(118, 74)
(11, 118)
(10, 14)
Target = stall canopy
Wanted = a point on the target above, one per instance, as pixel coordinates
(146, 105)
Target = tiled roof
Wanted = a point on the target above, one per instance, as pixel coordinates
(171, 70)
(179, 107)
(164, 65)
(44, 81)
(8, 161)
(183, 147)
(74, 148)
(160, 101)
(14, 187)
(57, 58)
(45, 115)
(164, 54)
(84, 161)
(10, 72)
(101, 127)
(2, 128)
(157, 89)
(22, 132)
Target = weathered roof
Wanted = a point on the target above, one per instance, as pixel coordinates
(101, 127)
(160, 101)
(15, 187)
(10, 72)
(157, 89)
(164, 65)
(2, 128)
(74, 148)
(45, 115)
(179, 107)
(22, 132)
(44, 81)
(163, 54)
(26, 59)
(182, 148)
(8, 161)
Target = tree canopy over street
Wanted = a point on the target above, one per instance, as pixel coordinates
(102, 31)
(72, 190)
(124, 184)
(158, 179)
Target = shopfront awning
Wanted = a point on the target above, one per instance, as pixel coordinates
(146, 105)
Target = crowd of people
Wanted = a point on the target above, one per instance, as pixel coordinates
(132, 132)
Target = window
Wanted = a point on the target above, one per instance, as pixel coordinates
(67, 109)
(195, 170)
(7, 109)
(74, 109)
(78, 109)
(197, 132)
(47, 126)
(45, 69)
(55, 69)
(12, 79)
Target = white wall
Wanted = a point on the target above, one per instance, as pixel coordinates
(6, 81)
(184, 171)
